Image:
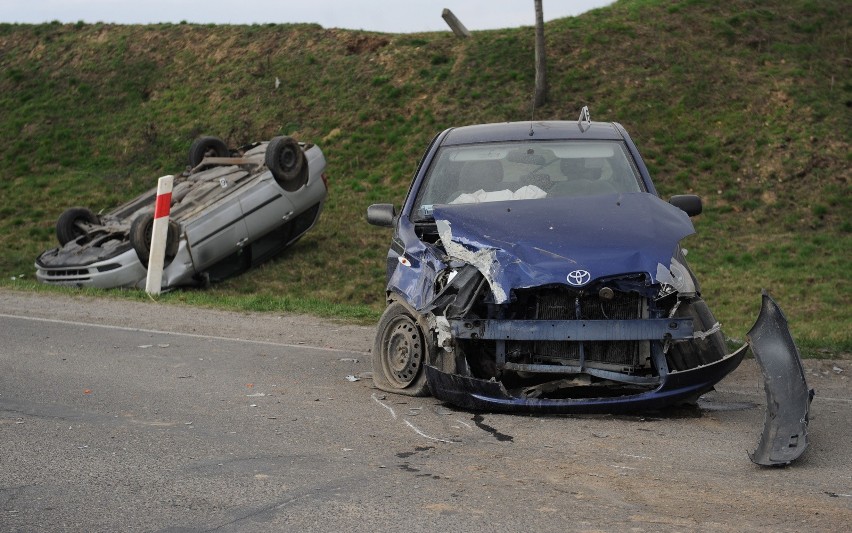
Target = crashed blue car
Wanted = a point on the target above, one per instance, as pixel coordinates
(534, 268)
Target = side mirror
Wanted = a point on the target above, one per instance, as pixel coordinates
(381, 215)
(688, 203)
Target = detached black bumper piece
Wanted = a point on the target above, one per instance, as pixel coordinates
(788, 399)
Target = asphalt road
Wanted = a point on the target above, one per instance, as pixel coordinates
(126, 416)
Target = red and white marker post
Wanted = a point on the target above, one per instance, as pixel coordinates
(157, 255)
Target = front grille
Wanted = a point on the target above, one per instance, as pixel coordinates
(66, 274)
(561, 304)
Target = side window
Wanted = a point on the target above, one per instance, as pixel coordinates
(444, 180)
(439, 185)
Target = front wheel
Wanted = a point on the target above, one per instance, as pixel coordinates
(706, 348)
(400, 353)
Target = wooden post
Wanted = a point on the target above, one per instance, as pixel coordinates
(455, 24)
(540, 60)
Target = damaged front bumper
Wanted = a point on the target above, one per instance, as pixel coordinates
(491, 395)
(784, 436)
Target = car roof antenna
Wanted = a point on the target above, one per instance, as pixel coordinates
(585, 120)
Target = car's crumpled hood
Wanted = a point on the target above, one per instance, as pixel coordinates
(527, 243)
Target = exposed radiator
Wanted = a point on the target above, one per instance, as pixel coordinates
(564, 305)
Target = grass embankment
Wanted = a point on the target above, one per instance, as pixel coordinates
(745, 103)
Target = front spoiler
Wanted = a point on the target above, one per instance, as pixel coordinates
(479, 394)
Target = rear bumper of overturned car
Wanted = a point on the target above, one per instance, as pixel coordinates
(675, 387)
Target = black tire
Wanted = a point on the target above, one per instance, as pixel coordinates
(400, 353)
(697, 352)
(67, 225)
(287, 162)
(141, 232)
(207, 147)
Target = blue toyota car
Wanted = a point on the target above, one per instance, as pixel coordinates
(533, 267)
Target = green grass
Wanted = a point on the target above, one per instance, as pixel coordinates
(744, 103)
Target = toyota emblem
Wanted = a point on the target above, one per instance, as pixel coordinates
(578, 278)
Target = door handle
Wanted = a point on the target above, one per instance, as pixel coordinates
(242, 242)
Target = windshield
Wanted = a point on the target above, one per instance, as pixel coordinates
(491, 172)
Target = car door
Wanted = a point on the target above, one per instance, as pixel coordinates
(265, 207)
(217, 233)
(266, 211)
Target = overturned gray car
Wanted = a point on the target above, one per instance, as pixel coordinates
(534, 268)
(232, 209)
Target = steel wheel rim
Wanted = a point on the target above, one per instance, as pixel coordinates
(288, 159)
(402, 351)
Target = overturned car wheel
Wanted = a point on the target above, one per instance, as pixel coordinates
(207, 147)
(287, 162)
(399, 353)
(68, 224)
(141, 232)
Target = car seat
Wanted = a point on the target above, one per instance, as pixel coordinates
(542, 181)
(583, 178)
(486, 175)
(578, 169)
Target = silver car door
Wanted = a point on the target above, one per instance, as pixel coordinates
(217, 233)
(265, 207)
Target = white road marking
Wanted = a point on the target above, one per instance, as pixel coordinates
(388, 407)
(409, 424)
(193, 335)
(412, 426)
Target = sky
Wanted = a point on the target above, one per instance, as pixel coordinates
(391, 16)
